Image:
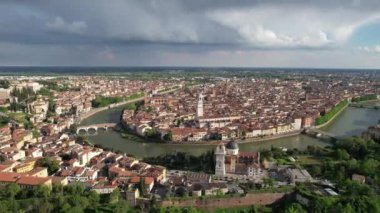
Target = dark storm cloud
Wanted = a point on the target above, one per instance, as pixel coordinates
(169, 21)
(119, 29)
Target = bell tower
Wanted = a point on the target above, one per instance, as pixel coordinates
(200, 106)
(220, 153)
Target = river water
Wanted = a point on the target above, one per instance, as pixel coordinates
(352, 121)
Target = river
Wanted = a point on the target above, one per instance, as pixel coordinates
(352, 121)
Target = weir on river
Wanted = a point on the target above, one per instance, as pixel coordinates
(317, 133)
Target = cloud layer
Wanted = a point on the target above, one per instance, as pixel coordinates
(119, 32)
(60, 25)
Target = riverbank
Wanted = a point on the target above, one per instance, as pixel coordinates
(370, 104)
(138, 139)
(366, 102)
(216, 142)
(258, 139)
(332, 119)
(351, 121)
(100, 109)
(95, 111)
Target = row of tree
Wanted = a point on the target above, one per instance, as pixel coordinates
(102, 101)
(326, 117)
(53, 85)
(4, 84)
(70, 198)
(364, 98)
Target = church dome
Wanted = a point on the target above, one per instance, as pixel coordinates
(232, 145)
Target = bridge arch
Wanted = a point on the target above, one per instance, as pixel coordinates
(95, 128)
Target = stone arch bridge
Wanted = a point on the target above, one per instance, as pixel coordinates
(93, 129)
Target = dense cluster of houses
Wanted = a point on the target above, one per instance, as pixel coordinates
(240, 108)
(22, 149)
(225, 109)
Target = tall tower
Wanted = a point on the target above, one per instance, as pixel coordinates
(220, 153)
(200, 106)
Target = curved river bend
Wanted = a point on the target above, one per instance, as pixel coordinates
(352, 121)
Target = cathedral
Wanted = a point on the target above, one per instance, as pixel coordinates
(229, 160)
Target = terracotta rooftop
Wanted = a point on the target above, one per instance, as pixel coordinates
(31, 180)
(9, 177)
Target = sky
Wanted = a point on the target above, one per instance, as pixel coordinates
(228, 33)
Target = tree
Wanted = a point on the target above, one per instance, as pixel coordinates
(131, 106)
(353, 188)
(28, 124)
(41, 191)
(342, 154)
(93, 198)
(74, 189)
(36, 133)
(168, 136)
(316, 170)
(76, 209)
(57, 189)
(268, 182)
(322, 204)
(12, 189)
(51, 108)
(347, 208)
(73, 128)
(295, 208)
(65, 208)
(114, 196)
(142, 186)
(370, 167)
(4, 84)
(4, 121)
(45, 206)
(151, 133)
(121, 206)
(52, 165)
(77, 200)
(3, 109)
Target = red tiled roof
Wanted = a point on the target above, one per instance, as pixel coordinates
(31, 180)
(135, 179)
(9, 177)
(4, 167)
(148, 180)
(247, 154)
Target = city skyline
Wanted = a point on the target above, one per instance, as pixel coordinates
(320, 34)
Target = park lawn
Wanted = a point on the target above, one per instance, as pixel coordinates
(241, 209)
(308, 160)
